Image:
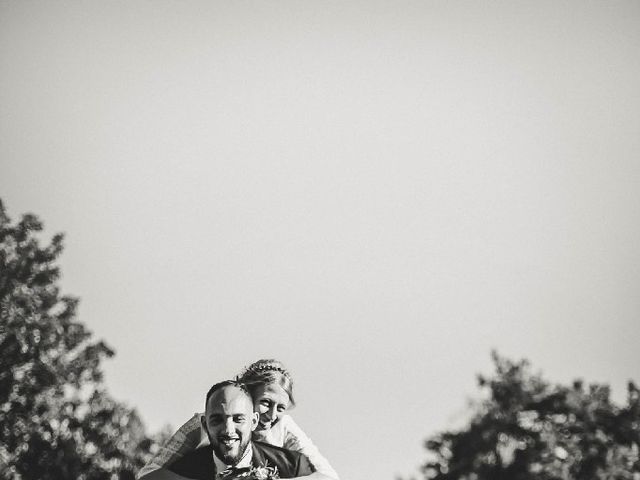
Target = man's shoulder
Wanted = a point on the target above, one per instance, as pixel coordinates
(197, 464)
(289, 462)
(272, 450)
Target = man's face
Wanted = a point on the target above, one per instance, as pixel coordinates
(229, 420)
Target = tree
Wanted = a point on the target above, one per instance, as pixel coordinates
(56, 419)
(527, 428)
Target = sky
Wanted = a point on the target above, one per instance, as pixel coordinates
(376, 193)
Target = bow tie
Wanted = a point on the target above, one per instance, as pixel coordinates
(232, 472)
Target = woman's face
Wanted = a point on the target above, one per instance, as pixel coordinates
(270, 401)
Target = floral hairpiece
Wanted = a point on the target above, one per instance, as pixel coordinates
(268, 367)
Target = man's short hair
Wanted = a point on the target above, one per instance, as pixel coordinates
(223, 384)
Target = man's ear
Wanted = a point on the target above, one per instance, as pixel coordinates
(254, 421)
(203, 424)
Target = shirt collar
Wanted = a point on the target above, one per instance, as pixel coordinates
(245, 460)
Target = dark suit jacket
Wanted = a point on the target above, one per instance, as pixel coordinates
(200, 466)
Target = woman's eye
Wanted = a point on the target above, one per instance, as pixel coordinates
(281, 408)
(266, 403)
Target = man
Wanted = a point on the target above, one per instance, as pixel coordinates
(229, 420)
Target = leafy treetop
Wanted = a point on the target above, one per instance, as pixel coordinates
(527, 428)
(56, 419)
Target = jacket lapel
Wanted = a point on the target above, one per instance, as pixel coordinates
(258, 459)
(208, 465)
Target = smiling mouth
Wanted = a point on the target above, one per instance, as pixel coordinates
(229, 442)
(266, 425)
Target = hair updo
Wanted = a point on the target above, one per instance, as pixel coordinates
(267, 372)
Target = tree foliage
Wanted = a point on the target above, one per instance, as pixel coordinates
(527, 428)
(56, 419)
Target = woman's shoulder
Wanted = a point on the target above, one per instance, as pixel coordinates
(289, 426)
(291, 432)
(296, 439)
(281, 433)
(286, 420)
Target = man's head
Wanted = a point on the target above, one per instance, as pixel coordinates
(229, 420)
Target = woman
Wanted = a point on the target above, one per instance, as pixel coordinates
(271, 388)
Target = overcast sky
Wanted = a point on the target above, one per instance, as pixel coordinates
(376, 193)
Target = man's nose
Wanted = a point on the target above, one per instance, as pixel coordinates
(229, 427)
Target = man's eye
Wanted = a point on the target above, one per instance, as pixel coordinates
(266, 403)
(238, 419)
(215, 420)
(281, 408)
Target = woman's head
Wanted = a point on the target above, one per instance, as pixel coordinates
(271, 387)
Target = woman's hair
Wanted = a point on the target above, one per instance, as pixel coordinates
(267, 372)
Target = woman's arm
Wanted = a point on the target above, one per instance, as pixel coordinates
(296, 439)
(185, 440)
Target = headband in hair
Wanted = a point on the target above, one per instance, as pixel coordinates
(266, 367)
